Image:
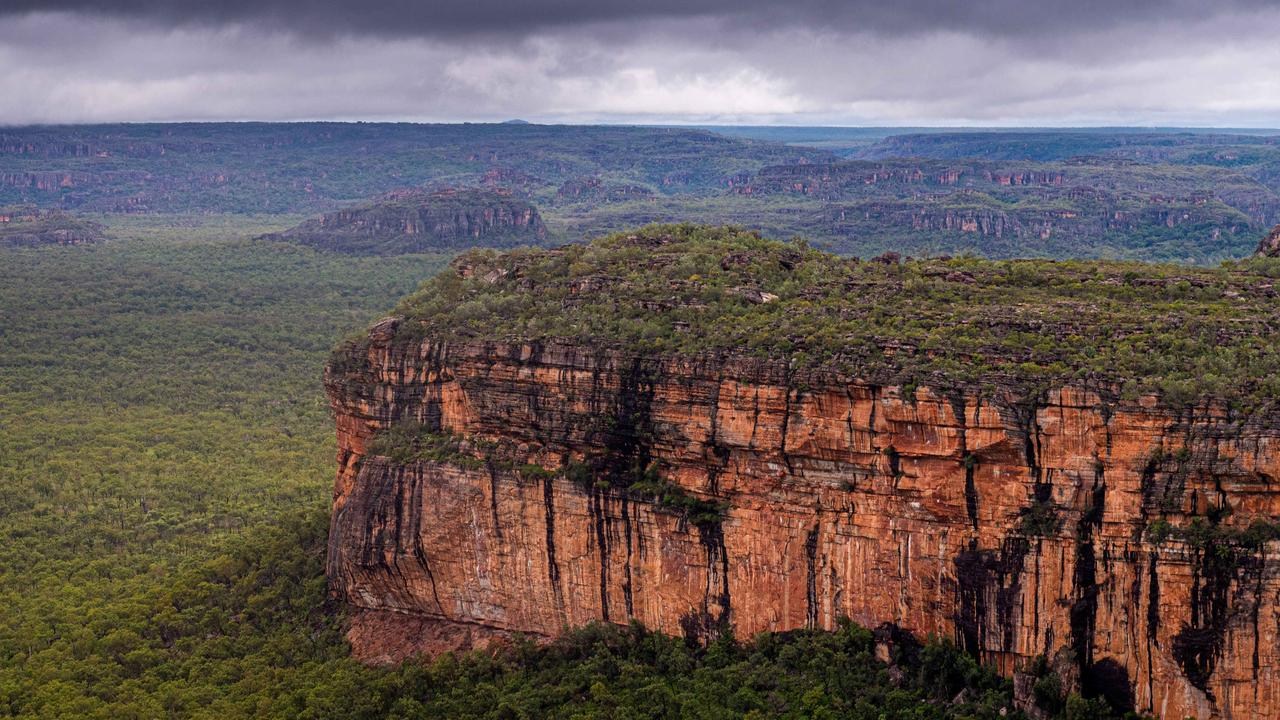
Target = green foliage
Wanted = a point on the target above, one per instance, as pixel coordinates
(1040, 519)
(1199, 332)
(165, 458)
(167, 450)
(28, 225)
(944, 672)
(1048, 694)
(629, 672)
(407, 442)
(1078, 708)
(1206, 534)
(1053, 700)
(532, 471)
(669, 496)
(1159, 531)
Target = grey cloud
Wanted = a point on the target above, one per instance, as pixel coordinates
(81, 66)
(436, 18)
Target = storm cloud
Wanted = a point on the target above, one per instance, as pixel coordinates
(431, 18)
(805, 61)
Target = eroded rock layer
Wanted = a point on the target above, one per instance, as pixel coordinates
(1017, 527)
(415, 220)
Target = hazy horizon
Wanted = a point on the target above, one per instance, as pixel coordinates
(676, 124)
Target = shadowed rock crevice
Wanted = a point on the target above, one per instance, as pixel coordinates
(811, 578)
(1084, 607)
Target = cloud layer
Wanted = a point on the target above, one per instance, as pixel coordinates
(820, 61)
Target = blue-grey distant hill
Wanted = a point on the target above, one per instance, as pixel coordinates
(1164, 194)
(304, 167)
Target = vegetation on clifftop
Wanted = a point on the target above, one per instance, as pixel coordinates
(25, 225)
(418, 221)
(1186, 333)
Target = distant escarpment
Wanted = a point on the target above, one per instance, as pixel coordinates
(593, 188)
(1099, 207)
(411, 221)
(312, 167)
(708, 432)
(28, 225)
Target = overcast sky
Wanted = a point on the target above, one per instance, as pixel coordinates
(862, 62)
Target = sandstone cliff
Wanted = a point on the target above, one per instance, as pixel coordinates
(408, 221)
(713, 492)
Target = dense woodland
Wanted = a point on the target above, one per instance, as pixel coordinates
(161, 400)
(30, 225)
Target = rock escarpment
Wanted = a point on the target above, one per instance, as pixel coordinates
(1104, 201)
(408, 221)
(982, 218)
(28, 225)
(593, 188)
(710, 491)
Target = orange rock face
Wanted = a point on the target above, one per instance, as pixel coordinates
(1017, 528)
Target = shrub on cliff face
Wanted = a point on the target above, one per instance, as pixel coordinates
(409, 441)
(1186, 333)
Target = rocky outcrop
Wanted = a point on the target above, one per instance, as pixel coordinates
(716, 493)
(408, 221)
(593, 188)
(29, 226)
(1270, 245)
(381, 637)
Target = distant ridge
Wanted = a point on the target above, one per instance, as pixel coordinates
(415, 220)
